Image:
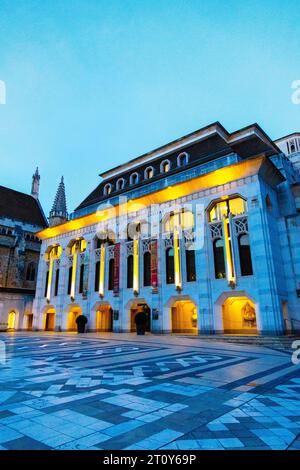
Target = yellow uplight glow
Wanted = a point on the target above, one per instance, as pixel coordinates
(229, 259)
(215, 178)
(102, 270)
(177, 260)
(50, 278)
(73, 283)
(136, 265)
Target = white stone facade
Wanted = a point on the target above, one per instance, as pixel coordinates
(270, 288)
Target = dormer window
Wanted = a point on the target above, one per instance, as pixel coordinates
(165, 166)
(120, 184)
(182, 159)
(107, 189)
(149, 173)
(134, 178)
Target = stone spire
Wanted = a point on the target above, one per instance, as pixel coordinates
(59, 213)
(35, 186)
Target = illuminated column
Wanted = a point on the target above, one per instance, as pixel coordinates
(136, 266)
(74, 268)
(51, 259)
(177, 266)
(228, 251)
(102, 270)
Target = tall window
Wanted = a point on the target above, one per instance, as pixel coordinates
(220, 270)
(46, 284)
(56, 282)
(81, 279)
(245, 255)
(130, 271)
(190, 265)
(70, 279)
(97, 276)
(30, 272)
(111, 268)
(147, 269)
(170, 277)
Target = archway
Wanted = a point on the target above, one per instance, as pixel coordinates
(50, 319)
(104, 318)
(239, 316)
(12, 320)
(74, 312)
(184, 318)
(28, 321)
(137, 308)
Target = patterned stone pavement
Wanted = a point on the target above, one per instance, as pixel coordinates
(110, 391)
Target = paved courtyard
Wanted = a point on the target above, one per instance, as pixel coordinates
(60, 391)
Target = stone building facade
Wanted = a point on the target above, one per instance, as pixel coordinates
(202, 235)
(21, 216)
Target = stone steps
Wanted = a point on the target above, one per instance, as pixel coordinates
(275, 342)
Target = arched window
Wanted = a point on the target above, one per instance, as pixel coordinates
(170, 277)
(190, 265)
(56, 282)
(97, 276)
(134, 178)
(130, 271)
(120, 184)
(107, 189)
(30, 272)
(220, 270)
(182, 159)
(245, 255)
(149, 173)
(165, 166)
(234, 206)
(111, 269)
(147, 269)
(81, 277)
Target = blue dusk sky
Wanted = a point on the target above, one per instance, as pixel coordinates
(91, 84)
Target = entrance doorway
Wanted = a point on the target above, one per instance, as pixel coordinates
(50, 320)
(239, 316)
(73, 314)
(12, 320)
(29, 321)
(184, 317)
(137, 308)
(104, 318)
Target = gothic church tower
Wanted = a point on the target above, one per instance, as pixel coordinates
(59, 214)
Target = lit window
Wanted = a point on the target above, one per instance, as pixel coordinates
(107, 189)
(149, 173)
(234, 206)
(165, 166)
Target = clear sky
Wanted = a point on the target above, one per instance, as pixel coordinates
(93, 83)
